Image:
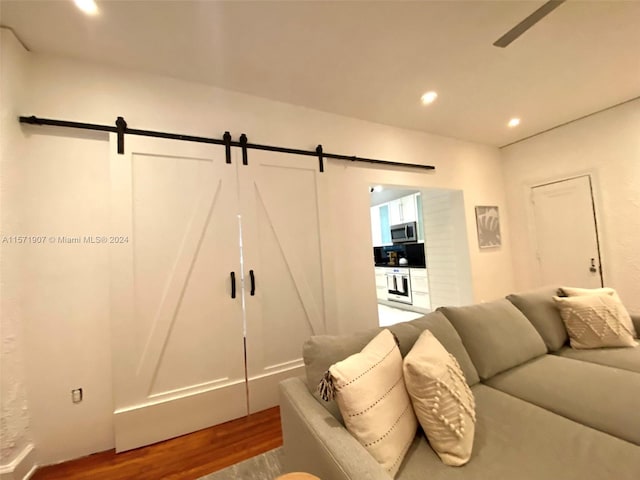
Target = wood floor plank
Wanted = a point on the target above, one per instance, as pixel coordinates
(184, 458)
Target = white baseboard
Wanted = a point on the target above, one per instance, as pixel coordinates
(21, 467)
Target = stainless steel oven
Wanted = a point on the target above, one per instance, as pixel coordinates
(399, 285)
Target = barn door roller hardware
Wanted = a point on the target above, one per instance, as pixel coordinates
(121, 129)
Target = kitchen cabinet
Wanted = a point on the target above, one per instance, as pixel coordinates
(380, 232)
(420, 288)
(403, 210)
(395, 212)
(408, 208)
(381, 282)
(203, 292)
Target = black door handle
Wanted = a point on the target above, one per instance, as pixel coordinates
(253, 282)
(233, 284)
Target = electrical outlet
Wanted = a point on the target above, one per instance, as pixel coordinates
(76, 395)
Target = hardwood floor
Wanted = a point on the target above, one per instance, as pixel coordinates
(183, 458)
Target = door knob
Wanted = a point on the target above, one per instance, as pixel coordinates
(593, 268)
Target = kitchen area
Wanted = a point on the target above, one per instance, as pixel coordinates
(401, 274)
(420, 250)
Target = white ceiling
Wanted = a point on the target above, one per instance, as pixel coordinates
(368, 60)
(388, 194)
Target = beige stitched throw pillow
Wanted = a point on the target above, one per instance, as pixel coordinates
(441, 399)
(372, 398)
(595, 321)
(576, 292)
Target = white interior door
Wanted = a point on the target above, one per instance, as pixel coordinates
(177, 334)
(281, 218)
(566, 233)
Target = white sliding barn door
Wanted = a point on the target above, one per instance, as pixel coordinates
(281, 218)
(177, 333)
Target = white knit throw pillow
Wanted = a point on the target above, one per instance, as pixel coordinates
(441, 399)
(595, 321)
(374, 403)
(577, 292)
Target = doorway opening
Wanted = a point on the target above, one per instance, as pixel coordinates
(420, 251)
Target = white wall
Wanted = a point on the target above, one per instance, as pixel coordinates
(477, 173)
(446, 248)
(607, 145)
(65, 191)
(14, 426)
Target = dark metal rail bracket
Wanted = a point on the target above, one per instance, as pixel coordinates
(121, 129)
(227, 145)
(243, 145)
(320, 159)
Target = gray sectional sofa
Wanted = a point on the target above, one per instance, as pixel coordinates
(543, 409)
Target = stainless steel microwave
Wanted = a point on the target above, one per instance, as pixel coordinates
(404, 232)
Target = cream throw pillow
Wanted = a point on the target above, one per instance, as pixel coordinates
(441, 399)
(372, 398)
(576, 292)
(595, 321)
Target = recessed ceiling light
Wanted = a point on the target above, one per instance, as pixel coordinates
(87, 6)
(514, 122)
(377, 188)
(428, 97)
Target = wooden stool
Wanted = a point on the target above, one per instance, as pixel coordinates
(297, 476)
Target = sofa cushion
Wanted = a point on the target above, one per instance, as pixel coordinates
(600, 397)
(516, 440)
(322, 351)
(538, 306)
(442, 329)
(441, 399)
(635, 319)
(496, 335)
(623, 357)
(610, 292)
(595, 321)
(371, 394)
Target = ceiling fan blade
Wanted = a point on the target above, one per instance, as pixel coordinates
(527, 23)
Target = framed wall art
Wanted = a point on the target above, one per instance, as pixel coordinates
(488, 222)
